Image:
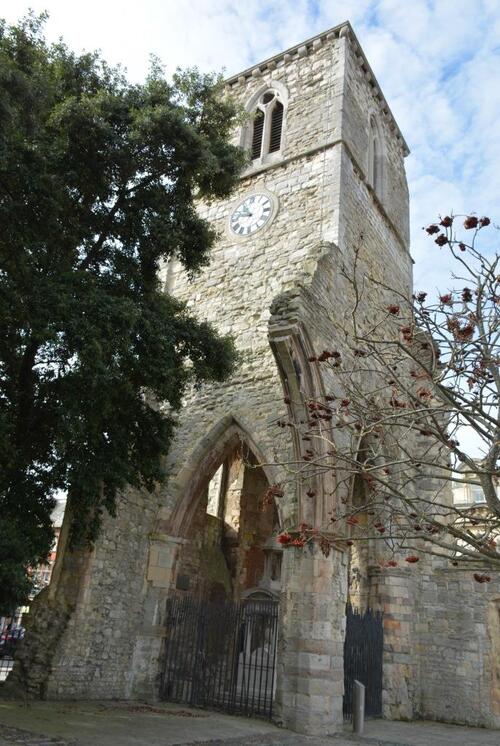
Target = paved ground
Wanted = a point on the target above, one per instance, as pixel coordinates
(121, 724)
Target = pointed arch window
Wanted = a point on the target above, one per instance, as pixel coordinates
(375, 159)
(267, 125)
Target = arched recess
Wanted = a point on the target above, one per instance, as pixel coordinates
(366, 501)
(360, 553)
(376, 157)
(197, 472)
(302, 383)
(228, 532)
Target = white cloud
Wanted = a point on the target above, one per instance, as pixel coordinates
(437, 62)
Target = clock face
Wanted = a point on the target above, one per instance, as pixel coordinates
(251, 215)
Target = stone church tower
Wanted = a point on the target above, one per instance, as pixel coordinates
(326, 176)
(327, 173)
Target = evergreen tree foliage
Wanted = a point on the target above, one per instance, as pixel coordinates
(99, 181)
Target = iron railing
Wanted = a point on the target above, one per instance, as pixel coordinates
(363, 651)
(11, 634)
(221, 655)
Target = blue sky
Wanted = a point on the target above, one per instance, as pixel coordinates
(437, 62)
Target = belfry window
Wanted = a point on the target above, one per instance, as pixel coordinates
(267, 127)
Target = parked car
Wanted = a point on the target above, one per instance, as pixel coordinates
(9, 639)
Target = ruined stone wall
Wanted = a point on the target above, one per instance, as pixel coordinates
(256, 527)
(93, 657)
(224, 556)
(441, 642)
(459, 647)
(311, 643)
(202, 569)
(395, 591)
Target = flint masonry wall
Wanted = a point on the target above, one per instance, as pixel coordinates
(93, 658)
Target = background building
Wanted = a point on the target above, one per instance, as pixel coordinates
(43, 573)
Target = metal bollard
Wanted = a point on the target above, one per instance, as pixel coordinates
(358, 710)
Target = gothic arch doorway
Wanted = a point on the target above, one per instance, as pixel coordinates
(364, 640)
(222, 614)
(230, 545)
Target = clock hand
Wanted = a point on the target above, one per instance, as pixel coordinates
(242, 213)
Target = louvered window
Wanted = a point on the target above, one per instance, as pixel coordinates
(267, 126)
(276, 126)
(258, 131)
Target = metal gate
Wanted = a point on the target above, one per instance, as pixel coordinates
(221, 655)
(363, 650)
